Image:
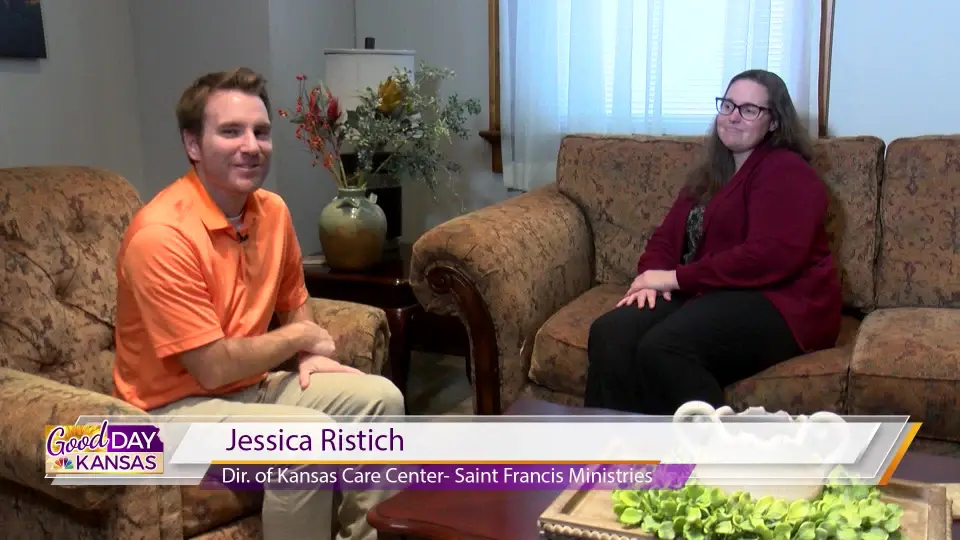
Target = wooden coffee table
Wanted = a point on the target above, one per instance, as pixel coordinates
(512, 515)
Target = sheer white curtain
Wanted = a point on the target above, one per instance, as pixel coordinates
(638, 66)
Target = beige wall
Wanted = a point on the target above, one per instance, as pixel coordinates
(79, 106)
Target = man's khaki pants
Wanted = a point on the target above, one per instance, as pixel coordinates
(307, 515)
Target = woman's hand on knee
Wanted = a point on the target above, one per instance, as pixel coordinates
(663, 281)
(641, 297)
(314, 363)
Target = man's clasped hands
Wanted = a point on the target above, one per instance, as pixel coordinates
(317, 350)
(643, 291)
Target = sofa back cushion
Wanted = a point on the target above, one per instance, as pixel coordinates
(626, 184)
(60, 228)
(919, 263)
(852, 169)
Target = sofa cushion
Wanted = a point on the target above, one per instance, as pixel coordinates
(920, 261)
(907, 361)
(805, 384)
(559, 359)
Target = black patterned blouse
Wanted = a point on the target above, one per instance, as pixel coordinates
(694, 233)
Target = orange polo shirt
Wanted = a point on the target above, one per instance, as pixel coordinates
(184, 280)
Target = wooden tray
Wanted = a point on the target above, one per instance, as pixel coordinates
(582, 514)
(953, 493)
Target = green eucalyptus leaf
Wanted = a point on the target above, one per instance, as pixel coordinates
(876, 533)
(666, 531)
(847, 533)
(724, 527)
(742, 523)
(778, 509)
(692, 531)
(631, 516)
(782, 530)
(894, 510)
(762, 505)
(851, 518)
(679, 523)
(630, 498)
(798, 510)
(873, 511)
(806, 531)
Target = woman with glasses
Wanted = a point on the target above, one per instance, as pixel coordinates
(737, 278)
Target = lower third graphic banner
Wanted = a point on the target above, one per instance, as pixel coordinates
(441, 453)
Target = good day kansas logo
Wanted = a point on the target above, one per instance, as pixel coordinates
(103, 449)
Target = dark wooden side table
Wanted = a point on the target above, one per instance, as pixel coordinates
(388, 287)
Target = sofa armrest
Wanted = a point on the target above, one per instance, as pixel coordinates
(360, 332)
(504, 270)
(29, 403)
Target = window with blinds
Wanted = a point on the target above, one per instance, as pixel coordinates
(662, 63)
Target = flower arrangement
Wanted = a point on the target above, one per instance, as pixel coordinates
(399, 119)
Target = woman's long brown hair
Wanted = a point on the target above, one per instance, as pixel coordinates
(717, 166)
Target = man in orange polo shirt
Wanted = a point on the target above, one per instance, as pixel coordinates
(201, 271)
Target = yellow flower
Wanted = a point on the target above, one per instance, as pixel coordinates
(390, 94)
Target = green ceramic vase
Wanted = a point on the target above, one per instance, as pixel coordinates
(353, 229)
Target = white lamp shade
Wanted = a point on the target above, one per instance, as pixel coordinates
(349, 72)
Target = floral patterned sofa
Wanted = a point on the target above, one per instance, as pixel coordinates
(60, 228)
(530, 274)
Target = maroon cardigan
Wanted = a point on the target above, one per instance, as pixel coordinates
(763, 230)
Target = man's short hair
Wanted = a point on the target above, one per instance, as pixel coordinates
(193, 101)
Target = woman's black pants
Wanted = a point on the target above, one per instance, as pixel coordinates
(651, 361)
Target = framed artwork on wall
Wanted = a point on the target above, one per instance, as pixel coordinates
(21, 29)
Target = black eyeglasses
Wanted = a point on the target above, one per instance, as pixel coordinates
(748, 111)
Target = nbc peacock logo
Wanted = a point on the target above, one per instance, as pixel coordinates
(63, 464)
